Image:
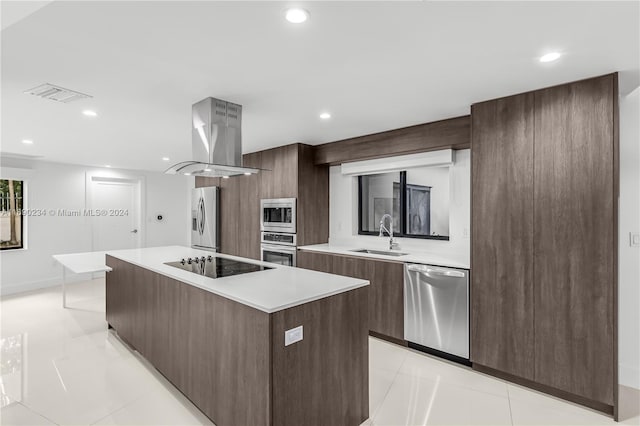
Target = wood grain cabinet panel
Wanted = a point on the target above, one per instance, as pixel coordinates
(443, 134)
(386, 299)
(287, 172)
(544, 239)
(216, 351)
(229, 225)
(248, 214)
(279, 177)
(502, 241)
(386, 286)
(313, 199)
(230, 360)
(574, 220)
(326, 374)
(321, 262)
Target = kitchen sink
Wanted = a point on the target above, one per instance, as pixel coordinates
(381, 252)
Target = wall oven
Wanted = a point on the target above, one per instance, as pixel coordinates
(279, 248)
(278, 215)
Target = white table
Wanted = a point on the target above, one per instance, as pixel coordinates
(80, 263)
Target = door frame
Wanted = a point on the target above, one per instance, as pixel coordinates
(139, 185)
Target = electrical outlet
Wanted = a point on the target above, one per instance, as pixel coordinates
(293, 335)
(634, 239)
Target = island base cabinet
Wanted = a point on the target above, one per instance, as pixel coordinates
(231, 360)
(325, 376)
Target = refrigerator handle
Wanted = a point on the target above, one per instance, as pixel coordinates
(202, 214)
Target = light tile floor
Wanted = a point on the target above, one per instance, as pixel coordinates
(61, 366)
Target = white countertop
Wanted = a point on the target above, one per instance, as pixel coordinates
(269, 291)
(451, 261)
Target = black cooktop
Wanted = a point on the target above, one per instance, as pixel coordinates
(216, 267)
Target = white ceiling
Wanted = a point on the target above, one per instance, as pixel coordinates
(374, 65)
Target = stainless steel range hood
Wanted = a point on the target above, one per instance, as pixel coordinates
(216, 141)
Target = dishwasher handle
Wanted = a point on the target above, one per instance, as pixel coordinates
(427, 270)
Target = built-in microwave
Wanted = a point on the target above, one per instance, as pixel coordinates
(278, 215)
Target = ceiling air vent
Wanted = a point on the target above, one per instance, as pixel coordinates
(56, 93)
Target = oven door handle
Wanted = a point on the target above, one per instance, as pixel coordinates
(275, 247)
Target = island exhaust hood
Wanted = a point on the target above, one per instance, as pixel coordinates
(216, 141)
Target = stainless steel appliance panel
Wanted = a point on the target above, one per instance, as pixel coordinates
(204, 218)
(280, 238)
(279, 254)
(436, 308)
(278, 215)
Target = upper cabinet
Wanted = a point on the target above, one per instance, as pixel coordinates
(544, 209)
(279, 177)
(288, 172)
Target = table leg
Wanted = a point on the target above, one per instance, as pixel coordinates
(64, 287)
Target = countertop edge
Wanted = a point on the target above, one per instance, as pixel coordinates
(268, 310)
(409, 258)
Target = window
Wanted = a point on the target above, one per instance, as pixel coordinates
(417, 200)
(11, 206)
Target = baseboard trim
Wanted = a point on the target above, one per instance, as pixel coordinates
(17, 288)
(388, 338)
(595, 405)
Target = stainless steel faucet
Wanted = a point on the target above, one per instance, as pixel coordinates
(389, 230)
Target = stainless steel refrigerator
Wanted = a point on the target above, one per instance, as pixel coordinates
(204, 218)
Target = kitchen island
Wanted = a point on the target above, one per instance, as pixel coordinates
(279, 346)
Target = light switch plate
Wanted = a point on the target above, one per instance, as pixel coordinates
(634, 239)
(293, 335)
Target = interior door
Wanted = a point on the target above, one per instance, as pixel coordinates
(115, 214)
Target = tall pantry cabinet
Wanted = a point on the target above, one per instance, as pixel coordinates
(544, 240)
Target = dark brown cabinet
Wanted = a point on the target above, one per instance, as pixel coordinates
(386, 288)
(279, 178)
(574, 247)
(544, 209)
(315, 261)
(502, 223)
(230, 359)
(288, 172)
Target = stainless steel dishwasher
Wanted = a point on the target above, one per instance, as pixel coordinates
(436, 310)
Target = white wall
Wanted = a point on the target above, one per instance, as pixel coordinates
(343, 214)
(62, 186)
(629, 257)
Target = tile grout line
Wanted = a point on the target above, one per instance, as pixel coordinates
(122, 407)
(395, 377)
(37, 413)
(509, 400)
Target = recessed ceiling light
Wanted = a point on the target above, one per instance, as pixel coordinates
(108, 166)
(247, 173)
(225, 177)
(187, 174)
(90, 113)
(165, 158)
(550, 57)
(27, 141)
(296, 15)
(207, 170)
(325, 116)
